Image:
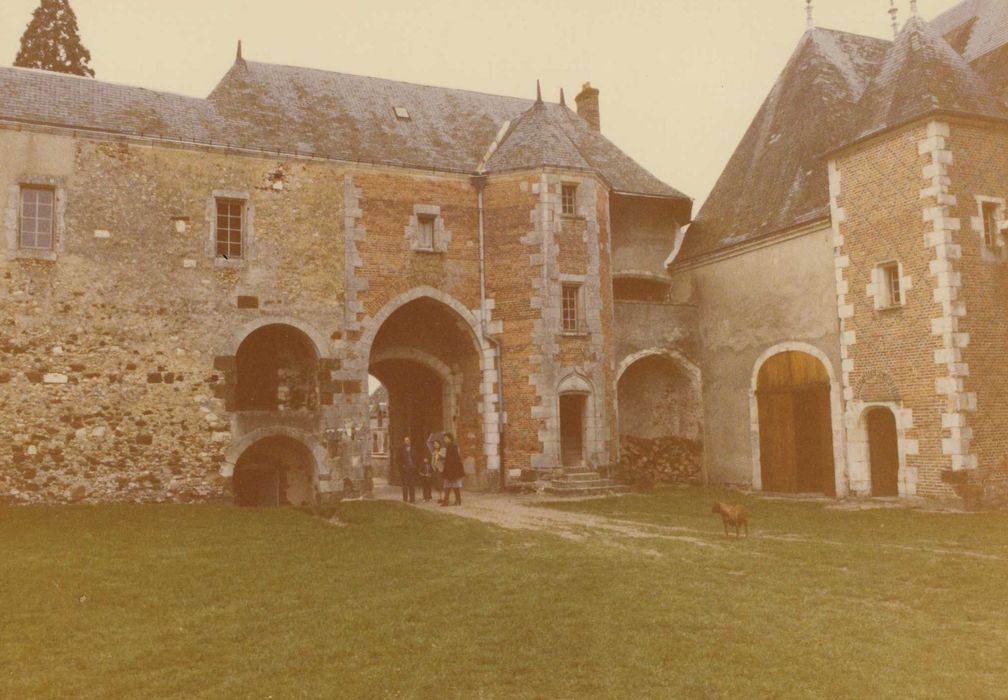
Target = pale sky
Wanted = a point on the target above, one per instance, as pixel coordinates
(680, 80)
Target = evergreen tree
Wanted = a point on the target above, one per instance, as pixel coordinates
(51, 41)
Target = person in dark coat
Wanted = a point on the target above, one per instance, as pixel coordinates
(408, 471)
(454, 472)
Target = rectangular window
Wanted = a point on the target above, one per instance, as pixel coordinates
(425, 231)
(568, 198)
(230, 221)
(35, 217)
(990, 224)
(891, 279)
(570, 307)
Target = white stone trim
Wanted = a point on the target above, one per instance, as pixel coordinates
(238, 336)
(11, 226)
(451, 381)
(441, 236)
(878, 288)
(248, 246)
(956, 445)
(858, 454)
(836, 413)
(593, 442)
(319, 454)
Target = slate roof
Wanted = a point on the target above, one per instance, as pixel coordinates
(922, 73)
(776, 178)
(835, 89)
(334, 115)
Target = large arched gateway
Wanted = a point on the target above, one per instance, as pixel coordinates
(795, 424)
(428, 359)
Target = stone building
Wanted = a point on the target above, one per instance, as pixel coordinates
(849, 269)
(194, 291)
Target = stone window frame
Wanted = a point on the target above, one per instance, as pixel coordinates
(879, 287)
(441, 235)
(567, 185)
(578, 281)
(979, 226)
(12, 218)
(248, 228)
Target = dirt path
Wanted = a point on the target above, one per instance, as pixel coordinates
(521, 512)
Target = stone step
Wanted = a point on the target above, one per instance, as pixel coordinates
(579, 483)
(578, 476)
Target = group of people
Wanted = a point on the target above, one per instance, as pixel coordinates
(443, 470)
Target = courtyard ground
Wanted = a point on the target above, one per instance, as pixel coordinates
(636, 596)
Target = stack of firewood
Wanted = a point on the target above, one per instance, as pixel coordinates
(666, 460)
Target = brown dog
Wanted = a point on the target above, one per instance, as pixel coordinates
(732, 515)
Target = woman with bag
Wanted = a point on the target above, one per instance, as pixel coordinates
(437, 468)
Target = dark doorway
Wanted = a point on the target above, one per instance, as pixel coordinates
(415, 408)
(277, 370)
(883, 452)
(427, 356)
(795, 425)
(274, 471)
(572, 419)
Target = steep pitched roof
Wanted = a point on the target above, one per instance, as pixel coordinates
(333, 115)
(922, 73)
(974, 27)
(776, 179)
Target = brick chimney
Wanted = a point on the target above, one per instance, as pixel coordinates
(587, 105)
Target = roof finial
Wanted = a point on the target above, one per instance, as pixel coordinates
(913, 8)
(538, 93)
(892, 13)
(809, 22)
(238, 56)
(563, 102)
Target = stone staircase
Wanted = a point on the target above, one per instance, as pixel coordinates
(582, 482)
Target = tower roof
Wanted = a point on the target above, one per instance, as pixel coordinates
(921, 74)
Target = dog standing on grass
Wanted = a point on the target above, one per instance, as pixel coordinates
(732, 515)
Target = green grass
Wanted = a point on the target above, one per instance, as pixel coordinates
(213, 601)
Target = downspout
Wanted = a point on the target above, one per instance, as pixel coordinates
(479, 182)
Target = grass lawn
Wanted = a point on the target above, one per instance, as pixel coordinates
(214, 601)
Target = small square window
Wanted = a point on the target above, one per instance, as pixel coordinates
(891, 293)
(230, 220)
(425, 232)
(35, 217)
(568, 199)
(401, 113)
(570, 303)
(991, 232)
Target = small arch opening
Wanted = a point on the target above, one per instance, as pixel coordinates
(277, 370)
(276, 470)
(883, 451)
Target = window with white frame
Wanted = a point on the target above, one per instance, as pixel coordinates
(425, 231)
(890, 286)
(36, 216)
(568, 199)
(230, 228)
(570, 305)
(991, 224)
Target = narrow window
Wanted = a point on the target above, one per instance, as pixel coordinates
(425, 231)
(893, 293)
(230, 222)
(568, 198)
(35, 221)
(990, 224)
(570, 301)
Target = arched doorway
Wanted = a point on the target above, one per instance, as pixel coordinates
(426, 356)
(277, 369)
(883, 452)
(275, 470)
(660, 415)
(795, 424)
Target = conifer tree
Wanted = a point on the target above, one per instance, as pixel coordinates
(52, 42)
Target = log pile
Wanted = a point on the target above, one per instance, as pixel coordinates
(653, 462)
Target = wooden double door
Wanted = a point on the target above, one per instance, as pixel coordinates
(796, 440)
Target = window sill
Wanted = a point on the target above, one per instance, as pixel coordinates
(32, 254)
(574, 334)
(230, 264)
(428, 251)
(890, 308)
(572, 217)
